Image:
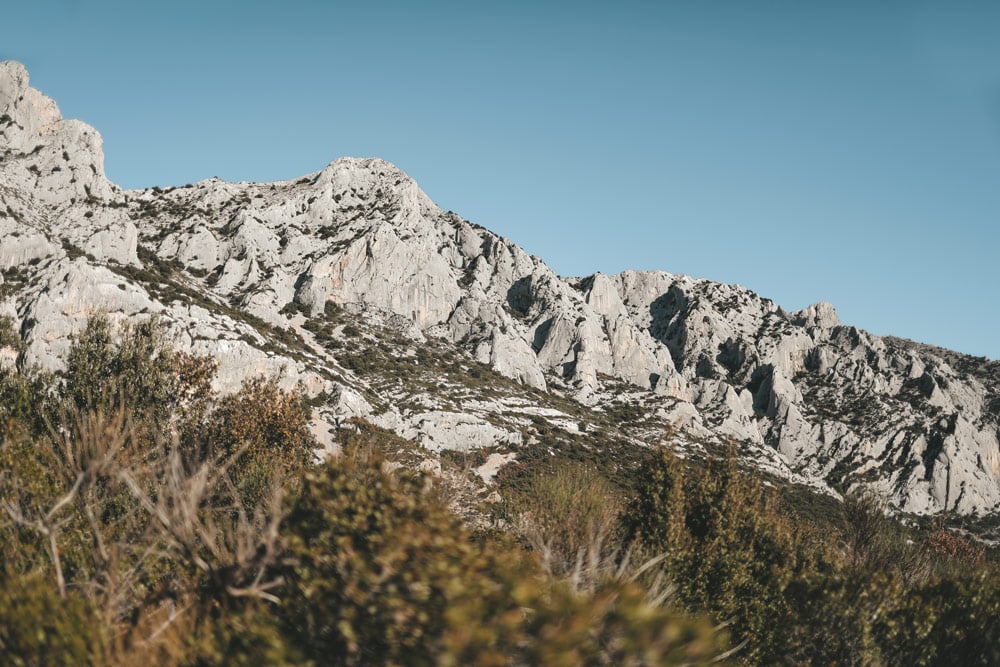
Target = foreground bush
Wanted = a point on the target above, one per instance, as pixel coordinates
(568, 515)
(863, 592)
(728, 549)
(385, 574)
(39, 628)
(112, 495)
(953, 620)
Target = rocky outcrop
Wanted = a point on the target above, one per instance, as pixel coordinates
(57, 161)
(261, 275)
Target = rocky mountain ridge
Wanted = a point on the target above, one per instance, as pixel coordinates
(353, 284)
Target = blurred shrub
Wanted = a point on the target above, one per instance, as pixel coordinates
(876, 542)
(25, 400)
(384, 574)
(568, 515)
(38, 628)
(379, 564)
(949, 621)
(263, 434)
(728, 549)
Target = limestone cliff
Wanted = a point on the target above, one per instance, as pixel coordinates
(315, 280)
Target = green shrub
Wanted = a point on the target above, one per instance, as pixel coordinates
(31, 482)
(263, 433)
(25, 399)
(384, 573)
(615, 626)
(378, 565)
(568, 514)
(834, 618)
(727, 548)
(134, 370)
(8, 334)
(38, 628)
(875, 542)
(240, 635)
(951, 621)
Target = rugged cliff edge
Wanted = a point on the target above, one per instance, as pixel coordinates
(352, 283)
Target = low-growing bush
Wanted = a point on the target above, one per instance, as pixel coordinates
(38, 628)
(146, 520)
(862, 589)
(384, 574)
(727, 547)
(568, 514)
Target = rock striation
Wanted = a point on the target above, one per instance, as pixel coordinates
(293, 278)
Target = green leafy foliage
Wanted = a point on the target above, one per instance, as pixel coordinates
(24, 400)
(263, 433)
(379, 564)
(949, 621)
(134, 369)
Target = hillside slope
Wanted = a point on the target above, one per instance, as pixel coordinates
(351, 282)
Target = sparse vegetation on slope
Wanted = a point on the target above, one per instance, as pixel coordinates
(193, 530)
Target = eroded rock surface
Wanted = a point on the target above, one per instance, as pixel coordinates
(353, 284)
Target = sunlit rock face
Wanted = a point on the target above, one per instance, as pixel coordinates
(288, 278)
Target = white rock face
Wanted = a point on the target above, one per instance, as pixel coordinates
(261, 275)
(457, 431)
(56, 160)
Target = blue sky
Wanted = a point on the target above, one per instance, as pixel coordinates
(842, 151)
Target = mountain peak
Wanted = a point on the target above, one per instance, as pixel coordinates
(821, 314)
(373, 164)
(56, 160)
(352, 283)
(27, 112)
(369, 173)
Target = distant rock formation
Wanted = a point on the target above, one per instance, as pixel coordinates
(251, 273)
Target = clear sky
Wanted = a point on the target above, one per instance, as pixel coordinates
(843, 151)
